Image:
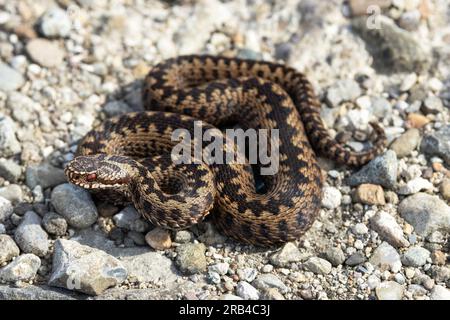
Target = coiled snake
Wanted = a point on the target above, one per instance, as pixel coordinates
(129, 155)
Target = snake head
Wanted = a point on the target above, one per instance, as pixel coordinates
(99, 171)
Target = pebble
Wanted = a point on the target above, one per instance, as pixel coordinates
(334, 255)
(55, 22)
(84, 269)
(12, 192)
(440, 293)
(9, 145)
(246, 291)
(23, 268)
(45, 53)
(432, 105)
(389, 290)
(360, 228)
(408, 82)
(8, 249)
(417, 120)
(393, 49)
(191, 258)
(6, 209)
(267, 268)
(137, 237)
(415, 185)
(158, 239)
(44, 175)
(75, 205)
(2, 228)
(222, 269)
(437, 257)
(355, 259)
(406, 143)
(385, 257)
(183, 236)
(318, 265)
(388, 228)
(410, 20)
(437, 144)
(445, 189)
(268, 281)
(380, 171)
(272, 294)
(370, 194)
(30, 236)
(425, 213)
(54, 224)
(10, 79)
(373, 282)
(331, 198)
(10, 170)
(415, 257)
(342, 90)
(288, 254)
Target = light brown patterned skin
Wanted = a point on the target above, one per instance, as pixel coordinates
(222, 90)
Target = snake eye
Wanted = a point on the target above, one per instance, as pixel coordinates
(91, 177)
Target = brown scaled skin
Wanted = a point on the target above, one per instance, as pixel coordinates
(256, 95)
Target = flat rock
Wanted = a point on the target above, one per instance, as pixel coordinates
(75, 205)
(425, 213)
(23, 268)
(30, 236)
(84, 269)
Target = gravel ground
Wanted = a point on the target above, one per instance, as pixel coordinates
(383, 230)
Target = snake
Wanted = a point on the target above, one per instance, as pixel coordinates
(129, 156)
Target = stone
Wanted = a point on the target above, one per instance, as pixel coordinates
(438, 257)
(45, 53)
(342, 90)
(246, 291)
(30, 236)
(440, 293)
(380, 171)
(370, 194)
(334, 255)
(360, 228)
(373, 281)
(54, 23)
(389, 290)
(23, 268)
(10, 79)
(84, 269)
(44, 175)
(268, 281)
(406, 143)
(361, 7)
(433, 105)
(437, 144)
(54, 224)
(158, 239)
(6, 209)
(137, 237)
(31, 292)
(385, 257)
(415, 185)
(106, 209)
(183, 236)
(75, 205)
(9, 145)
(10, 170)
(272, 294)
(191, 258)
(444, 189)
(115, 108)
(355, 259)
(318, 265)
(12, 192)
(393, 49)
(408, 82)
(410, 20)
(130, 219)
(417, 120)
(288, 254)
(220, 268)
(415, 257)
(425, 213)
(8, 249)
(229, 296)
(388, 228)
(2, 228)
(211, 236)
(331, 198)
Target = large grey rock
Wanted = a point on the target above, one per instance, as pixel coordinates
(8, 248)
(44, 175)
(385, 257)
(23, 268)
(425, 213)
(191, 258)
(382, 171)
(6, 209)
(393, 49)
(9, 145)
(31, 292)
(75, 205)
(84, 269)
(10, 79)
(30, 236)
(437, 144)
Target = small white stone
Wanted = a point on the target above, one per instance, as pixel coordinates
(408, 82)
(331, 198)
(360, 228)
(415, 185)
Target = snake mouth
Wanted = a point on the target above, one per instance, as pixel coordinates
(88, 180)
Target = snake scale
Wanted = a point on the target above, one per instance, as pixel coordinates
(128, 155)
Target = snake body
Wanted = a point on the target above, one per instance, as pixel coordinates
(128, 154)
